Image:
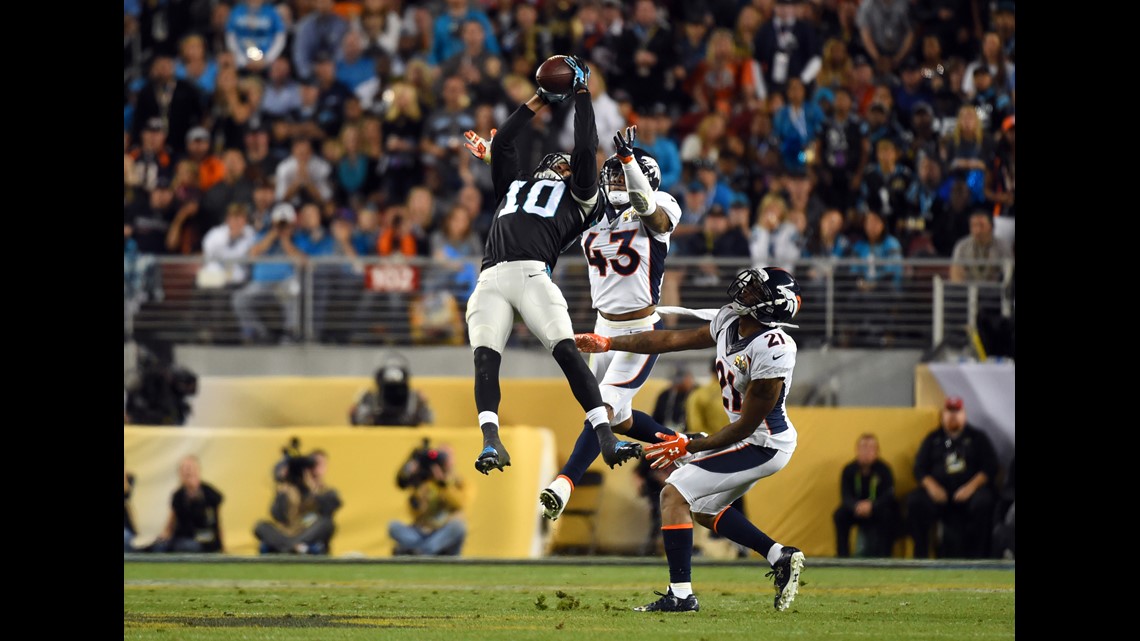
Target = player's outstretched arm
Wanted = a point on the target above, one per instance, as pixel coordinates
(654, 342)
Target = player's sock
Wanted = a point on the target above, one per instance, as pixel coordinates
(562, 486)
(586, 451)
(681, 590)
(645, 429)
(733, 525)
(678, 540)
(487, 392)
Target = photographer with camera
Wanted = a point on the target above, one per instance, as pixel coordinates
(303, 506)
(194, 523)
(436, 503)
(157, 391)
(393, 401)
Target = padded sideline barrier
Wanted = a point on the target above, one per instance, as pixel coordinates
(504, 519)
(794, 506)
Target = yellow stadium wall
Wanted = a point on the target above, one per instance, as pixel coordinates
(793, 506)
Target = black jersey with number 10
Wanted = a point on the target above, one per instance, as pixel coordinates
(536, 220)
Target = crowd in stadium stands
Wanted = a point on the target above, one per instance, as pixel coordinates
(765, 115)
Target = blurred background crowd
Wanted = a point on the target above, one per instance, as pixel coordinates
(787, 129)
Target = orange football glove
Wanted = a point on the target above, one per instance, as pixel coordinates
(479, 147)
(667, 451)
(592, 343)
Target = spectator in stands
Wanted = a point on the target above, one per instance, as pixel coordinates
(332, 94)
(797, 124)
(226, 247)
(183, 236)
(146, 162)
(304, 176)
(526, 43)
(366, 233)
(967, 148)
(955, 468)
(653, 136)
(303, 509)
(991, 104)
(774, 239)
(353, 68)
(319, 31)
(924, 140)
(457, 252)
(282, 92)
(787, 47)
(234, 103)
(148, 219)
(393, 401)
(993, 58)
(911, 91)
(194, 65)
(884, 188)
(354, 173)
(261, 161)
(234, 187)
(261, 211)
(726, 82)
(400, 165)
(443, 136)
(843, 152)
(886, 32)
(924, 206)
(194, 524)
(877, 279)
(336, 285)
(447, 28)
(1001, 183)
(952, 219)
(379, 27)
(198, 149)
(706, 140)
(867, 490)
(977, 257)
(436, 499)
(272, 279)
(835, 65)
(644, 52)
(481, 69)
(255, 35)
(178, 104)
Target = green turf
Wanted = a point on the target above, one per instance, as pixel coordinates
(460, 602)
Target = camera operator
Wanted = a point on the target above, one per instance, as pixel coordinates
(393, 401)
(194, 522)
(158, 397)
(303, 507)
(436, 502)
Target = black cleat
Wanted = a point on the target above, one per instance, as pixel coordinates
(618, 452)
(670, 603)
(493, 456)
(787, 576)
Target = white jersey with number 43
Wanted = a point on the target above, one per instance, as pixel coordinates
(626, 259)
(770, 353)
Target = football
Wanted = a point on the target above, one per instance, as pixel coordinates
(554, 75)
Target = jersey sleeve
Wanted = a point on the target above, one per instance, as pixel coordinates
(722, 319)
(667, 203)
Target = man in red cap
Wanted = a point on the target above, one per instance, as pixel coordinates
(955, 468)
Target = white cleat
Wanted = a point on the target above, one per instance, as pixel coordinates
(555, 497)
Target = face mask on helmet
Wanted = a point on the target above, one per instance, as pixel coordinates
(545, 169)
(769, 295)
(613, 176)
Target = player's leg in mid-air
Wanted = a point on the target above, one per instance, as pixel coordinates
(490, 316)
(544, 310)
(621, 375)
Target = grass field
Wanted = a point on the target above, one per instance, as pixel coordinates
(258, 599)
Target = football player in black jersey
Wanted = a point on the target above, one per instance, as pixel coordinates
(540, 213)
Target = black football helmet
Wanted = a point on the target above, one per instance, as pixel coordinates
(613, 177)
(545, 168)
(770, 295)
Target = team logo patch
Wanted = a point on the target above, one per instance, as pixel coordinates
(741, 363)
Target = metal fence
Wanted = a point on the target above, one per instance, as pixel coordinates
(401, 302)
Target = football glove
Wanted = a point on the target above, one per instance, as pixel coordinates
(667, 451)
(581, 72)
(592, 343)
(551, 98)
(479, 147)
(623, 145)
